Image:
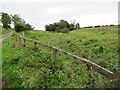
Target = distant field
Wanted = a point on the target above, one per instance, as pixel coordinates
(28, 67)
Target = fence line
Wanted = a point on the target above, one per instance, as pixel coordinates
(107, 73)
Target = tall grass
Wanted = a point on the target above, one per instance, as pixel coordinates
(28, 67)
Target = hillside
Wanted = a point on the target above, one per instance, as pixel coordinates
(29, 67)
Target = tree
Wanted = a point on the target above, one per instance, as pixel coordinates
(6, 20)
(47, 27)
(17, 19)
(57, 27)
(71, 27)
(28, 27)
(62, 24)
(77, 26)
(22, 27)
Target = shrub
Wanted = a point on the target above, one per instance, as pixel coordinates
(20, 27)
(65, 30)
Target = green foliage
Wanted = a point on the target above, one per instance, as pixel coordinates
(62, 24)
(17, 19)
(77, 26)
(28, 27)
(22, 27)
(57, 27)
(97, 26)
(111, 25)
(65, 30)
(6, 20)
(71, 27)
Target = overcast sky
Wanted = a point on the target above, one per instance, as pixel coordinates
(41, 12)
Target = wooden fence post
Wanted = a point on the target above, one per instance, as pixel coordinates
(24, 44)
(116, 78)
(19, 39)
(90, 77)
(16, 38)
(27, 43)
(53, 58)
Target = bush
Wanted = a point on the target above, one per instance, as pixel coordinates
(22, 27)
(65, 30)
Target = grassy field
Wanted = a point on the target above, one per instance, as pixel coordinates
(28, 67)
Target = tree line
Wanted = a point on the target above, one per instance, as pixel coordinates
(62, 26)
(18, 22)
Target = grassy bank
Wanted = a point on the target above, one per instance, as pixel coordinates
(5, 31)
(28, 67)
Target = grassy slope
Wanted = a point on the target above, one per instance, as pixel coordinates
(97, 45)
(29, 66)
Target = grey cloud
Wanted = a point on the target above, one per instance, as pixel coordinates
(45, 12)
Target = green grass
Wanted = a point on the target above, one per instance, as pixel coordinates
(97, 45)
(5, 31)
(28, 67)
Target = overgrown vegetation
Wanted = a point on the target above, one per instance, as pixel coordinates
(28, 67)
